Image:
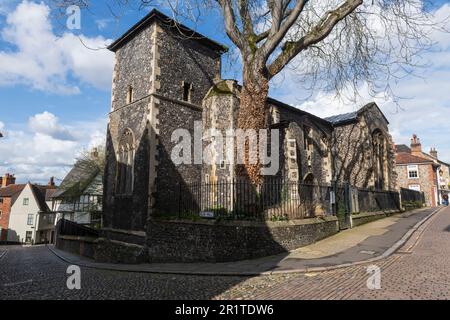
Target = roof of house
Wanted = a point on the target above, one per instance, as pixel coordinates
(11, 190)
(171, 23)
(49, 194)
(76, 181)
(403, 148)
(346, 118)
(407, 158)
(39, 193)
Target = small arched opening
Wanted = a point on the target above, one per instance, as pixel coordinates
(125, 163)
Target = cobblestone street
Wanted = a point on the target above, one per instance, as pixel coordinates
(35, 273)
(418, 271)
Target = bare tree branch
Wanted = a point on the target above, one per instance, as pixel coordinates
(317, 34)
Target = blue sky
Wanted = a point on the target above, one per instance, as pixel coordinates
(55, 93)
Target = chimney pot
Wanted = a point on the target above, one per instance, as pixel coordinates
(434, 153)
(51, 182)
(7, 180)
(416, 146)
(94, 153)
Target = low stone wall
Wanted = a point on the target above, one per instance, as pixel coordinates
(212, 241)
(83, 246)
(134, 237)
(102, 249)
(363, 218)
(112, 251)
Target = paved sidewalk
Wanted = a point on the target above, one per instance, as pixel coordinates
(369, 242)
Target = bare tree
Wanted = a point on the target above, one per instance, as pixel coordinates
(92, 161)
(334, 43)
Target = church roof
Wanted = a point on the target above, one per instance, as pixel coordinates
(171, 23)
(342, 118)
(346, 118)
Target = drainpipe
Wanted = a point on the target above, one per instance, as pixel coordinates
(36, 221)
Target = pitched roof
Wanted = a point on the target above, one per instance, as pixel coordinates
(297, 110)
(11, 191)
(49, 194)
(346, 118)
(407, 158)
(342, 118)
(76, 181)
(171, 23)
(39, 193)
(403, 148)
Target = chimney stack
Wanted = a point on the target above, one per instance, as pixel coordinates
(94, 153)
(416, 146)
(434, 153)
(51, 182)
(7, 179)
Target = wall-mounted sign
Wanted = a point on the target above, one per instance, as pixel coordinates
(207, 214)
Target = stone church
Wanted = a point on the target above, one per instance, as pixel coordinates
(168, 77)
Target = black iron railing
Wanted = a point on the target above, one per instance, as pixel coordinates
(241, 200)
(68, 228)
(372, 200)
(412, 195)
(277, 199)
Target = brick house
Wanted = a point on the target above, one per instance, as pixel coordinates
(420, 171)
(9, 191)
(25, 212)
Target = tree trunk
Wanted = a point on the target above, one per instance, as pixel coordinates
(252, 115)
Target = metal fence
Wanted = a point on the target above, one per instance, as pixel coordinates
(276, 199)
(412, 196)
(371, 200)
(240, 200)
(68, 228)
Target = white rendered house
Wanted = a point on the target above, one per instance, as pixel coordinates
(30, 219)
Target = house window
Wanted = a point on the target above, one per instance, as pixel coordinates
(413, 172)
(1, 200)
(26, 201)
(28, 236)
(187, 90)
(30, 219)
(130, 95)
(414, 187)
(125, 166)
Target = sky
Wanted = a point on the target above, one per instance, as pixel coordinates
(55, 86)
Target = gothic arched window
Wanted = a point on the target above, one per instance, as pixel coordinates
(125, 166)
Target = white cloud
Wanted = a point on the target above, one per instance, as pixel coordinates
(38, 152)
(47, 62)
(47, 123)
